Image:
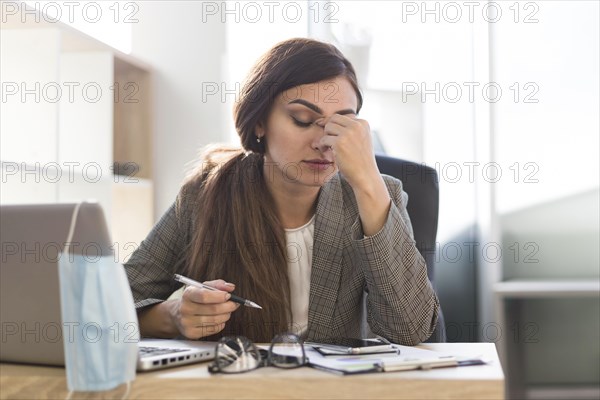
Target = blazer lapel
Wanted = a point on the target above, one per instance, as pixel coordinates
(327, 259)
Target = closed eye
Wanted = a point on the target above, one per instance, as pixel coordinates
(301, 124)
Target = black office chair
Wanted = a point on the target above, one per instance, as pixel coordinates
(420, 182)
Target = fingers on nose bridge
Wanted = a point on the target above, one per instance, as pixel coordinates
(322, 121)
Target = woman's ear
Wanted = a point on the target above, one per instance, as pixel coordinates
(260, 130)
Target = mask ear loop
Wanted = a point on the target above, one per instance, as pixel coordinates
(72, 227)
(127, 391)
(66, 251)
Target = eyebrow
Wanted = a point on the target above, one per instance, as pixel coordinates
(317, 109)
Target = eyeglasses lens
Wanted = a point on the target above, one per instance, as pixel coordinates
(287, 352)
(236, 355)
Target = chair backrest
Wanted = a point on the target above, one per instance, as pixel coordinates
(420, 182)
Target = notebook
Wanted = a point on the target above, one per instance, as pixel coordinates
(407, 358)
(32, 237)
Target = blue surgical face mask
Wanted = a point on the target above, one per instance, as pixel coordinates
(100, 327)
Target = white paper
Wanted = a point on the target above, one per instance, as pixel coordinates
(409, 358)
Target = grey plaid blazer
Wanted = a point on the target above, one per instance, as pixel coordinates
(401, 303)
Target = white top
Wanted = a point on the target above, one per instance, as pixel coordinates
(299, 243)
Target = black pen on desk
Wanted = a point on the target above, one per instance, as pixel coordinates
(234, 298)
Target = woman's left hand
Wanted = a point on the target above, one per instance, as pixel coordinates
(350, 140)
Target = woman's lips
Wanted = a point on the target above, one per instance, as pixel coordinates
(320, 165)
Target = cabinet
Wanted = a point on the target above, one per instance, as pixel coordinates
(76, 125)
(557, 342)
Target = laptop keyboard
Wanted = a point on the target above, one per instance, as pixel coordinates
(146, 351)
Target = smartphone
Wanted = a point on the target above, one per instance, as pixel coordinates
(352, 346)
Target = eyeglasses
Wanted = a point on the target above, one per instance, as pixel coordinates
(235, 354)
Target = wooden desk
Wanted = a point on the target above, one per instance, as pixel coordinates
(474, 382)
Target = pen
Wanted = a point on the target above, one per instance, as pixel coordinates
(234, 298)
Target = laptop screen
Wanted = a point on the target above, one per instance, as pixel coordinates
(32, 239)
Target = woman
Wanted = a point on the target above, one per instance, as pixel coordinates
(299, 221)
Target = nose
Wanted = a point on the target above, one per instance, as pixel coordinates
(317, 142)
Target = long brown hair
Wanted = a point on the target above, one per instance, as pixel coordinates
(238, 236)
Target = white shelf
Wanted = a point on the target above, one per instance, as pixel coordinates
(582, 392)
(72, 40)
(554, 288)
(44, 136)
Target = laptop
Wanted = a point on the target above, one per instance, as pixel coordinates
(32, 238)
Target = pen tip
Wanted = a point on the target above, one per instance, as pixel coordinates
(254, 305)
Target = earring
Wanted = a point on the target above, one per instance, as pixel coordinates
(257, 139)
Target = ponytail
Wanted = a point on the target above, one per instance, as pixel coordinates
(239, 238)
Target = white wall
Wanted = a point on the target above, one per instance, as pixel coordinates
(29, 61)
(255, 31)
(559, 133)
(185, 54)
(548, 148)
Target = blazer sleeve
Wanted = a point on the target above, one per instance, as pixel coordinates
(161, 254)
(401, 303)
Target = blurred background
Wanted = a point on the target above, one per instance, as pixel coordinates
(112, 100)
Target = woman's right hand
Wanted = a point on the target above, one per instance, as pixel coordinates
(201, 312)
